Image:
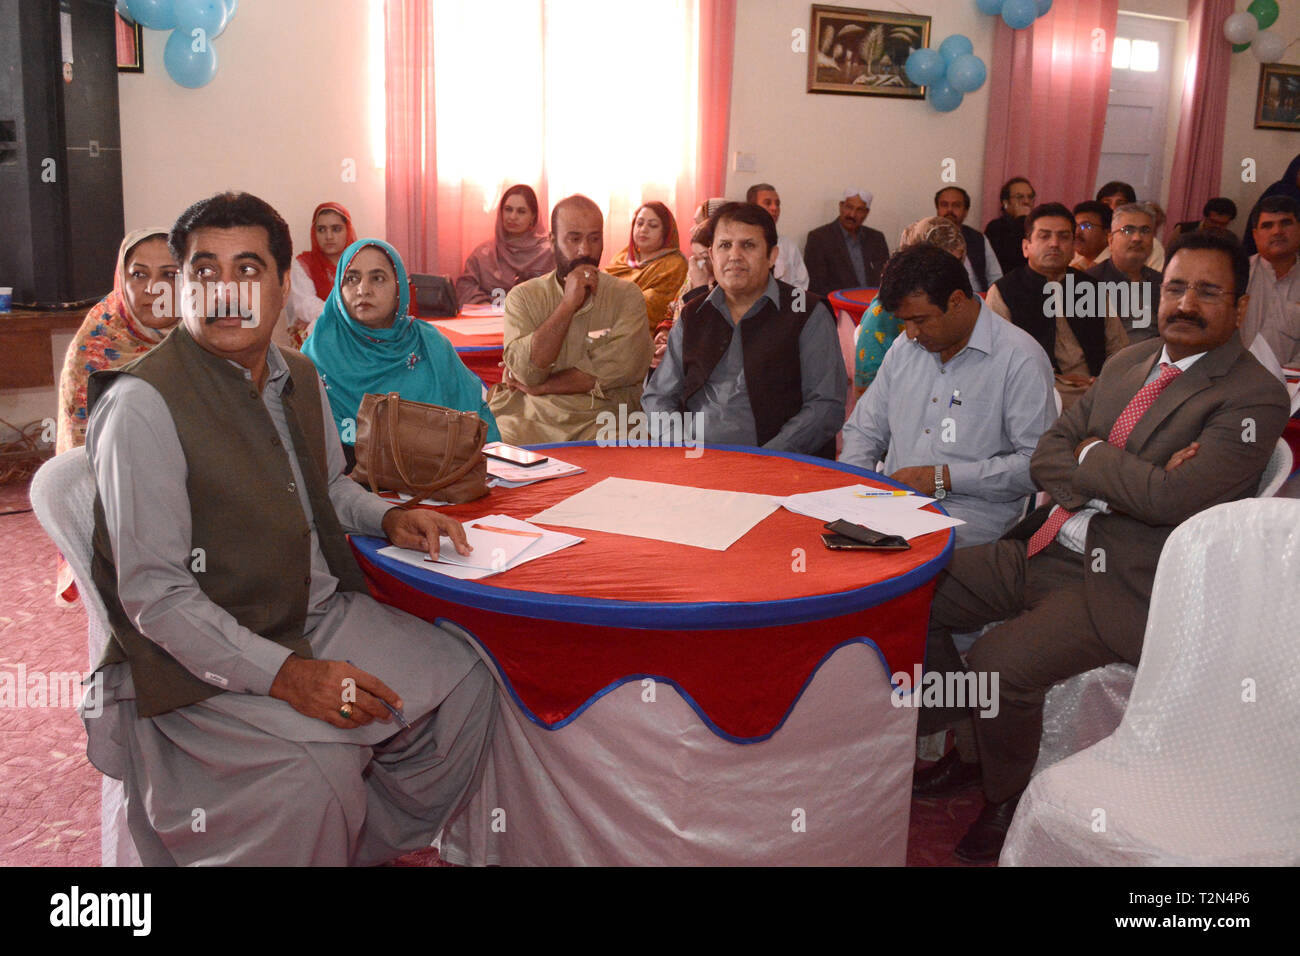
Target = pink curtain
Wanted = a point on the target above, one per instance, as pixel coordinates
(411, 163)
(1048, 90)
(717, 46)
(435, 223)
(1198, 155)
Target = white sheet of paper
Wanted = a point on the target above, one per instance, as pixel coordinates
(492, 550)
(699, 517)
(549, 543)
(480, 325)
(519, 475)
(890, 514)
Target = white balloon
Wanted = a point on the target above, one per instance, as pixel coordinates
(1240, 28)
(1268, 46)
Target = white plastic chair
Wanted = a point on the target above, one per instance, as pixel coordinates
(1194, 774)
(1086, 708)
(63, 499)
(1276, 471)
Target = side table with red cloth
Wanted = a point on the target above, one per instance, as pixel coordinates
(480, 353)
(852, 302)
(658, 696)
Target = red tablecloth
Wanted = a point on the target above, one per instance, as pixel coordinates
(480, 353)
(852, 301)
(739, 632)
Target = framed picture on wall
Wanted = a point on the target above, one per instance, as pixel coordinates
(862, 52)
(1278, 104)
(130, 46)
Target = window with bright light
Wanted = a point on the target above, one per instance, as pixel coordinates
(599, 98)
(1121, 54)
(1146, 56)
(1142, 56)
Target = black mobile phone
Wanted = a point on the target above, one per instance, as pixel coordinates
(514, 456)
(864, 537)
(838, 542)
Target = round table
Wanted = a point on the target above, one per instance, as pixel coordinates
(852, 302)
(670, 704)
(480, 351)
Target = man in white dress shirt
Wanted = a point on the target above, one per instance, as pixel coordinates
(789, 261)
(1273, 314)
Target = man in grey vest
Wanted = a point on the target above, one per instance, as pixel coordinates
(271, 711)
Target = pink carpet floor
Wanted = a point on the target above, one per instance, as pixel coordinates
(49, 792)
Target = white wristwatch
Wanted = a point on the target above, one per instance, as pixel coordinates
(940, 492)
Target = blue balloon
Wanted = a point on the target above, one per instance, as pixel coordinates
(956, 45)
(1018, 14)
(206, 15)
(944, 98)
(231, 7)
(189, 68)
(991, 7)
(1043, 7)
(154, 14)
(966, 74)
(924, 66)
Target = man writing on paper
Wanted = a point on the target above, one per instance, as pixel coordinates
(577, 341)
(960, 400)
(781, 382)
(1173, 426)
(236, 605)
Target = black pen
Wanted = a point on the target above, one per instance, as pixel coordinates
(401, 718)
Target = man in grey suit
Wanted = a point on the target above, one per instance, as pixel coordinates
(1172, 426)
(845, 254)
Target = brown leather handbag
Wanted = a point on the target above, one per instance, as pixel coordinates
(425, 451)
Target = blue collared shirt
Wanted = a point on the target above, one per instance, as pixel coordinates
(722, 414)
(981, 413)
(854, 244)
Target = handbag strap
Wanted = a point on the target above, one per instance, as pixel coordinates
(419, 492)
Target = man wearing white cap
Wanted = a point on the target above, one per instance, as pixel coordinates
(845, 254)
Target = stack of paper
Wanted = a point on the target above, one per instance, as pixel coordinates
(507, 475)
(884, 510)
(479, 325)
(499, 542)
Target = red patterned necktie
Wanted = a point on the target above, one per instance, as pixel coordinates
(1119, 433)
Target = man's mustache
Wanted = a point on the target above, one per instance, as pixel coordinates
(580, 261)
(1192, 317)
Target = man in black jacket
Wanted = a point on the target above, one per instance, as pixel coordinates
(845, 254)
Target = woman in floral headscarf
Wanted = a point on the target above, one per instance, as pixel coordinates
(653, 260)
(121, 327)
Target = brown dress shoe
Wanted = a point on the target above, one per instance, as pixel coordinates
(946, 777)
(983, 841)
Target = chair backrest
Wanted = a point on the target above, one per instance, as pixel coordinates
(1219, 673)
(1276, 471)
(63, 498)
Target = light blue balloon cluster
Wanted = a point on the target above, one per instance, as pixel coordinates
(1017, 14)
(950, 72)
(190, 55)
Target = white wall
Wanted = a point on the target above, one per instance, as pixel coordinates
(812, 145)
(288, 105)
(1271, 149)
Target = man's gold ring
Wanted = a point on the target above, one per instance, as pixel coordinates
(346, 711)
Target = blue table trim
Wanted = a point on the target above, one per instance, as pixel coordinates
(699, 615)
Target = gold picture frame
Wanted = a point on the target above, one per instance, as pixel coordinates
(862, 52)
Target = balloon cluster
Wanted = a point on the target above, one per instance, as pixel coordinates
(1251, 30)
(1017, 14)
(190, 56)
(950, 72)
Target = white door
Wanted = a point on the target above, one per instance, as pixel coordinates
(1133, 148)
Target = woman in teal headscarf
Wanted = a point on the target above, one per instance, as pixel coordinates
(366, 341)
